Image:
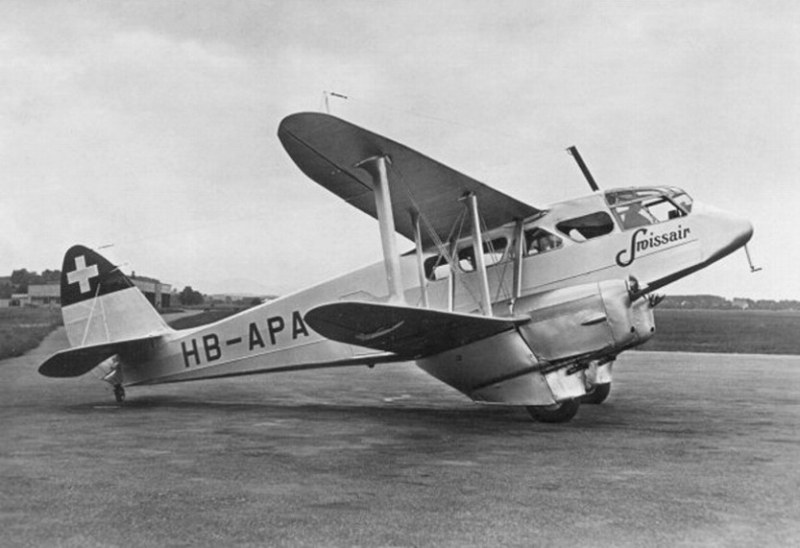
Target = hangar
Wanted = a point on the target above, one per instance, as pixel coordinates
(156, 292)
(159, 294)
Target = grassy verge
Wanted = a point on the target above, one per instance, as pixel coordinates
(726, 331)
(719, 331)
(203, 318)
(22, 329)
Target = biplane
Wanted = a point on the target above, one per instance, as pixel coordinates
(508, 303)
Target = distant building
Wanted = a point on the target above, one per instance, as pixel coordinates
(19, 299)
(159, 294)
(44, 295)
(50, 294)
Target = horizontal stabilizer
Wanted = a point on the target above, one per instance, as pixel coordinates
(408, 332)
(78, 361)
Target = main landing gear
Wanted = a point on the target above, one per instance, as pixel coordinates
(562, 411)
(119, 393)
(596, 383)
(598, 394)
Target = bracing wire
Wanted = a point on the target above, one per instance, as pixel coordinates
(422, 216)
(502, 290)
(455, 234)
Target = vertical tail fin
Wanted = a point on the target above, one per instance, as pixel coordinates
(100, 304)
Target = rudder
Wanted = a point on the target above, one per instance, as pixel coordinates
(100, 304)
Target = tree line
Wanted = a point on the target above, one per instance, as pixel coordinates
(22, 278)
(713, 302)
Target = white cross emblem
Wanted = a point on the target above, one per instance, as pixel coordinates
(82, 274)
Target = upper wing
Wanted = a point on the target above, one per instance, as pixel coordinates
(327, 148)
(408, 332)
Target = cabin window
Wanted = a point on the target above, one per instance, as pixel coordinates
(493, 252)
(587, 227)
(643, 207)
(437, 268)
(538, 241)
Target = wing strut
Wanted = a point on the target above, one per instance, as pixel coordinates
(376, 167)
(477, 248)
(519, 250)
(423, 281)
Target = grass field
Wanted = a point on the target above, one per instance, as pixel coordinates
(22, 329)
(720, 331)
(726, 331)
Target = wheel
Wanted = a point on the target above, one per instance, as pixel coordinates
(598, 394)
(559, 412)
(119, 393)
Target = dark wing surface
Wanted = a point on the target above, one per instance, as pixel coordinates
(74, 362)
(410, 333)
(327, 149)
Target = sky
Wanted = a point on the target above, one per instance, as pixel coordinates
(148, 128)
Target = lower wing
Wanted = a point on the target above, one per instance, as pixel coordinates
(410, 333)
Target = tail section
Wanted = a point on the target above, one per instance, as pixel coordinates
(100, 305)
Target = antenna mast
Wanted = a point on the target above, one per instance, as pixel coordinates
(585, 170)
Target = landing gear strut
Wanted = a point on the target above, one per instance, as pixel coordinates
(560, 412)
(119, 393)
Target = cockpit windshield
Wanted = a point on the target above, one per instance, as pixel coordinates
(637, 207)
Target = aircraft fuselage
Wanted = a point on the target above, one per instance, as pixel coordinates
(574, 243)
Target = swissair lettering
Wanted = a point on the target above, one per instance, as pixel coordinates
(642, 241)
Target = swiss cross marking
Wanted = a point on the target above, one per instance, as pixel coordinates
(82, 274)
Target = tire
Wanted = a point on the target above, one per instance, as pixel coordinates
(598, 394)
(560, 412)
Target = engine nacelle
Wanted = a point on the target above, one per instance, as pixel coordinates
(585, 320)
(532, 366)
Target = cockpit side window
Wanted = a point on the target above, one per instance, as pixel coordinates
(587, 227)
(642, 207)
(539, 240)
(683, 200)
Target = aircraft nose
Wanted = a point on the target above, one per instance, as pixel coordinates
(746, 228)
(732, 232)
(740, 230)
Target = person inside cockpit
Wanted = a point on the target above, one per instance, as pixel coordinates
(636, 216)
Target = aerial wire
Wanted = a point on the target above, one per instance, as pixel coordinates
(424, 116)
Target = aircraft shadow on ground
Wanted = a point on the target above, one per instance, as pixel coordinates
(471, 416)
(441, 419)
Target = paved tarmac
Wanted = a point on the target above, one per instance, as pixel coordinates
(689, 450)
